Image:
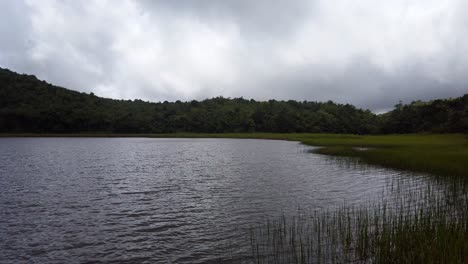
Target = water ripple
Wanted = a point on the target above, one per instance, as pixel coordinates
(86, 200)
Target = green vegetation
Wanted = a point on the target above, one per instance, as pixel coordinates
(28, 105)
(445, 155)
(423, 225)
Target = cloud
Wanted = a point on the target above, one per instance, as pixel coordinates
(363, 52)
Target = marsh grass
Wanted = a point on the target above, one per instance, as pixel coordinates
(424, 225)
(442, 155)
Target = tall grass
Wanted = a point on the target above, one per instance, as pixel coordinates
(425, 225)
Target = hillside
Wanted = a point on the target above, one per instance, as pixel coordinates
(29, 105)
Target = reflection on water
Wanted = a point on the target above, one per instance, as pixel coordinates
(166, 200)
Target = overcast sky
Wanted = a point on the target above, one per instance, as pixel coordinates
(364, 52)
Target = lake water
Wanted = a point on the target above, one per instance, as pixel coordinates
(127, 200)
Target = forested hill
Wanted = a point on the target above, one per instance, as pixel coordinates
(28, 105)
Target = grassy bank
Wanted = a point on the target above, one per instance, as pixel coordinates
(444, 155)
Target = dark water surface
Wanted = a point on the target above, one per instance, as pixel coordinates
(134, 200)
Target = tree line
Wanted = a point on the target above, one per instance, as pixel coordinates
(29, 105)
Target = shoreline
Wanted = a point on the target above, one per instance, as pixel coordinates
(436, 154)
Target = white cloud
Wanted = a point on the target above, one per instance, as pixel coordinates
(363, 52)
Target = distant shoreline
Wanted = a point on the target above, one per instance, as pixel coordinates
(279, 136)
(437, 154)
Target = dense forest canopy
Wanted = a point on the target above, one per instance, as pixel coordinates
(28, 105)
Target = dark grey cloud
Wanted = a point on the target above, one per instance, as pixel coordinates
(368, 53)
(262, 18)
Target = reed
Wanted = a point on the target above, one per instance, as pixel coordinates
(429, 225)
